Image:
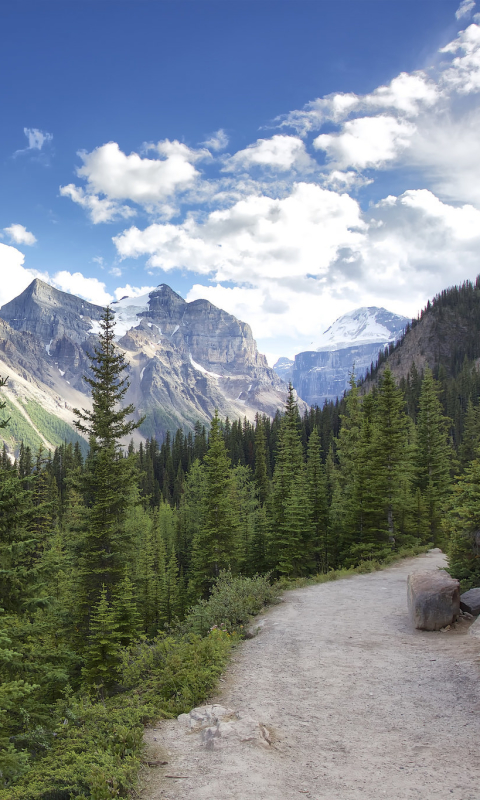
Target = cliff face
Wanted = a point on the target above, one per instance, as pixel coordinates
(351, 343)
(325, 376)
(184, 359)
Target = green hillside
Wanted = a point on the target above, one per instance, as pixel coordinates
(55, 430)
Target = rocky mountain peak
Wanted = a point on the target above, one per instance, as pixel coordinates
(51, 314)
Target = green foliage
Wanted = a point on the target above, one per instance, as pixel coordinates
(233, 602)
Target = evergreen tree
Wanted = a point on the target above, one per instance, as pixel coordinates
(290, 539)
(317, 492)
(106, 480)
(432, 454)
(215, 547)
(102, 652)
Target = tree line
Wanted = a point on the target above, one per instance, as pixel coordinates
(99, 553)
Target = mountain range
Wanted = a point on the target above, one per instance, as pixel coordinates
(184, 361)
(352, 343)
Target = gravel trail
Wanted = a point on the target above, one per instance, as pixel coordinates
(359, 705)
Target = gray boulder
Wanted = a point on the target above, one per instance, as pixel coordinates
(470, 602)
(433, 599)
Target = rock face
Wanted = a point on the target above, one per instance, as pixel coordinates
(219, 726)
(470, 602)
(433, 599)
(354, 340)
(184, 359)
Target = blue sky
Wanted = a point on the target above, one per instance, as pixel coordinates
(290, 161)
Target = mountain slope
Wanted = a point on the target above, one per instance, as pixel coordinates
(184, 359)
(353, 341)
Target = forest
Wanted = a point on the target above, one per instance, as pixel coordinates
(126, 576)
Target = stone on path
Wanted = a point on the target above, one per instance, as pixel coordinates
(470, 602)
(474, 629)
(219, 726)
(433, 599)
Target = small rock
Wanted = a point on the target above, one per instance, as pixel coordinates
(470, 602)
(474, 629)
(433, 599)
(218, 726)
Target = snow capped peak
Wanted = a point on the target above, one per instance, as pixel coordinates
(127, 310)
(367, 325)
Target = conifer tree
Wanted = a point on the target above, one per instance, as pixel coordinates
(102, 652)
(261, 470)
(432, 454)
(107, 477)
(317, 492)
(215, 547)
(290, 539)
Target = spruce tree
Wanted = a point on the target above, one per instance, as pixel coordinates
(106, 481)
(291, 533)
(317, 493)
(432, 454)
(215, 545)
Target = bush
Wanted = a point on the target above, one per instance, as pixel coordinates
(232, 604)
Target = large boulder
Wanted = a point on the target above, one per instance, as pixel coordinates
(470, 602)
(433, 599)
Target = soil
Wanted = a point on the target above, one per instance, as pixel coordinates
(358, 704)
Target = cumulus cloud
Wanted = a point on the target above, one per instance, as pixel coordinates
(99, 209)
(15, 277)
(112, 176)
(217, 141)
(279, 152)
(19, 234)
(259, 235)
(366, 142)
(406, 94)
(90, 289)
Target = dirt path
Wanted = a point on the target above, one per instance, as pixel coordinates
(359, 704)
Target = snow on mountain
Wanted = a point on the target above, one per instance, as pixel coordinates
(126, 311)
(367, 325)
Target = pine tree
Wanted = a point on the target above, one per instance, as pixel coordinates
(215, 545)
(106, 480)
(432, 454)
(3, 404)
(317, 493)
(102, 652)
(290, 539)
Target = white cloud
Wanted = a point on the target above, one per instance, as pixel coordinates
(407, 94)
(99, 209)
(463, 75)
(217, 141)
(273, 238)
(14, 276)
(90, 289)
(366, 142)
(36, 140)
(464, 8)
(280, 152)
(19, 234)
(112, 176)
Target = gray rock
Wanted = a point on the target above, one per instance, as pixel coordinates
(433, 599)
(219, 726)
(470, 602)
(474, 629)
